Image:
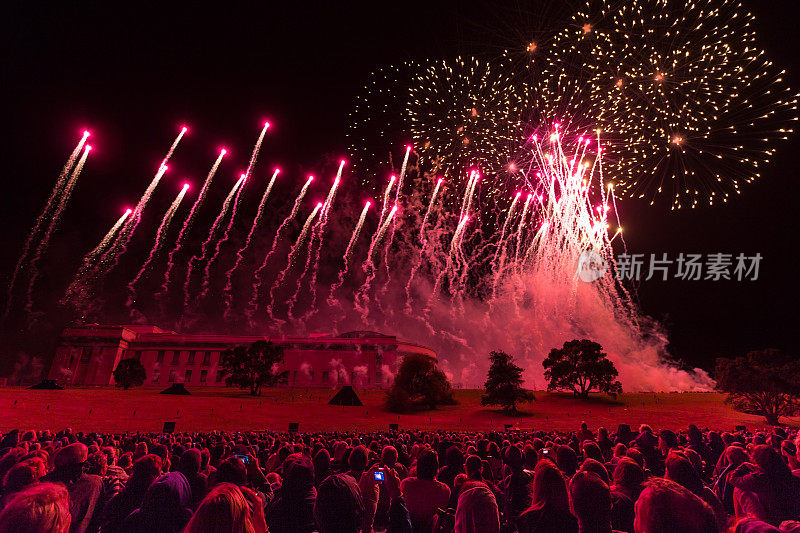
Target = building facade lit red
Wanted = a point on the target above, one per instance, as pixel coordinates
(88, 355)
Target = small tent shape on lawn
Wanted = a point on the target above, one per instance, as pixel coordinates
(176, 388)
(346, 396)
(47, 384)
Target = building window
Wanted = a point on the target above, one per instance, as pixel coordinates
(156, 375)
(378, 359)
(176, 357)
(378, 377)
(190, 359)
(219, 375)
(294, 377)
(311, 375)
(86, 354)
(172, 375)
(138, 354)
(187, 378)
(160, 356)
(206, 358)
(203, 376)
(325, 376)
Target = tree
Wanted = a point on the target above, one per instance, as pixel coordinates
(764, 382)
(129, 373)
(581, 366)
(253, 367)
(504, 383)
(419, 383)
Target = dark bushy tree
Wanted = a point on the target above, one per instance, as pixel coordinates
(582, 367)
(253, 367)
(764, 382)
(129, 373)
(504, 383)
(419, 384)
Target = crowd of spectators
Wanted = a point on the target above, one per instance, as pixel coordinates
(642, 481)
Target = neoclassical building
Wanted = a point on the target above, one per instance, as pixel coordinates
(87, 355)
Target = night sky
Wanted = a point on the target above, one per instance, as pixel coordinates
(133, 74)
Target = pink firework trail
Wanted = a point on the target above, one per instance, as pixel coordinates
(332, 301)
(521, 226)
(390, 239)
(369, 266)
(88, 263)
(318, 236)
(471, 193)
(403, 168)
(290, 260)
(241, 252)
(256, 150)
(51, 227)
(54, 194)
(106, 240)
(252, 305)
(206, 284)
(386, 198)
(473, 176)
(188, 223)
(430, 205)
(505, 224)
(423, 243)
(161, 234)
(204, 250)
(125, 235)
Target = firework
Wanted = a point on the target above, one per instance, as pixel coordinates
(470, 289)
(378, 121)
(54, 194)
(252, 304)
(332, 300)
(120, 246)
(55, 218)
(241, 252)
(464, 114)
(206, 246)
(430, 205)
(291, 258)
(319, 233)
(684, 91)
(187, 224)
(161, 234)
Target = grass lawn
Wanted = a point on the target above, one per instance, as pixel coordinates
(142, 409)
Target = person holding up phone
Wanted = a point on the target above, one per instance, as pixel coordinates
(381, 481)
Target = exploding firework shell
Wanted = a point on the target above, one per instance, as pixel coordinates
(689, 102)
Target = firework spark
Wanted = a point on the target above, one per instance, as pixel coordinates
(54, 195)
(161, 234)
(187, 224)
(241, 252)
(688, 97)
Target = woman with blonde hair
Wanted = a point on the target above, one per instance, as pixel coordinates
(42, 508)
(226, 509)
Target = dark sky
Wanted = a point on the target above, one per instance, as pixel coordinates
(132, 74)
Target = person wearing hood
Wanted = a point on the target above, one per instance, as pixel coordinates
(144, 472)
(165, 507)
(85, 490)
(477, 511)
(339, 507)
(189, 466)
(292, 510)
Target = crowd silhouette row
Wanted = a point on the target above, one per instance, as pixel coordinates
(641, 481)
